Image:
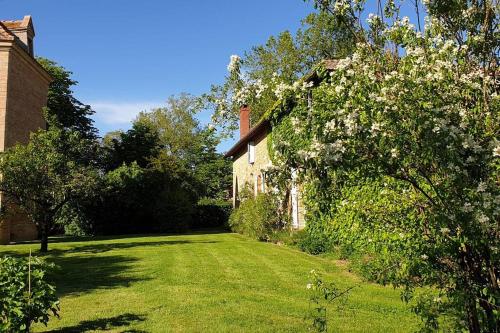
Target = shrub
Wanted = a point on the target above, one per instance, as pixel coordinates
(314, 243)
(25, 295)
(211, 213)
(257, 217)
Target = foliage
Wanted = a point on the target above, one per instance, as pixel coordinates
(192, 148)
(321, 296)
(25, 295)
(137, 200)
(257, 217)
(266, 72)
(399, 152)
(63, 109)
(314, 243)
(211, 170)
(139, 144)
(210, 213)
(46, 174)
(154, 173)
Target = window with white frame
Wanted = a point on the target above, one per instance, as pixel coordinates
(251, 152)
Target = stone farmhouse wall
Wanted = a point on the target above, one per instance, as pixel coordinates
(247, 174)
(23, 94)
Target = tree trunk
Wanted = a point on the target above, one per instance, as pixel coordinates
(44, 238)
(472, 316)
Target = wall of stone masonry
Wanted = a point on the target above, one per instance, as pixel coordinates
(23, 94)
(245, 173)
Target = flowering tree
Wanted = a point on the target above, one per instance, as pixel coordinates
(260, 77)
(410, 125)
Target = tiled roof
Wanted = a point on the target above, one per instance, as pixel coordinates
(13, 25)
(5, 33)
(330, 64)
(25, 23)
(7, 27)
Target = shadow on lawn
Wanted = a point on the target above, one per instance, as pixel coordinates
(105, 247)
(69, 239)
(105, 324)
(82, 268)
(81, 274)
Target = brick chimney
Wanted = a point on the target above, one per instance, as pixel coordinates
(244, 120)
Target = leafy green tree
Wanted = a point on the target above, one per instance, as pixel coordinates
(139, 144)
(63, 109)
(45, 175)
(187, 147)
(212, 171)
(178, 129)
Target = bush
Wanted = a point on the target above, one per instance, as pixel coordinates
(25, 295)
(314, 243)
(211, 213)
(257, 217)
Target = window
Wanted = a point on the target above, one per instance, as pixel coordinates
(259, 184)
(251, 152)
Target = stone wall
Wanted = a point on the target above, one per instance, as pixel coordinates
(26, 97)
(4, 71)
(23, 94)
(245, 173)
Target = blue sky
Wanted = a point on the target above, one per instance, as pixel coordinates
(129, 56)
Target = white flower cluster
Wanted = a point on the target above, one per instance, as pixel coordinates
(234, 63)
(281, 89)
(373, 19)
(252, 89)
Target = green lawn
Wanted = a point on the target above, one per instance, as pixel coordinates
(218, 282)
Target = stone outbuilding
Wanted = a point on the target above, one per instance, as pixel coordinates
(23, 94)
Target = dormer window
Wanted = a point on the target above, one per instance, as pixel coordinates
(251, 152)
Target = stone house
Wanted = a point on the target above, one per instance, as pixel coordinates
(23, 94)
(251, 159)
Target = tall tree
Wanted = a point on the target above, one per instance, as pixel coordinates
(63, 109)
(139, 144)
(189, 146)
(400, 152)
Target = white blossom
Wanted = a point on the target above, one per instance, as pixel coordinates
(445, 231)
(483, 218)
(233, 63)
(481, 187)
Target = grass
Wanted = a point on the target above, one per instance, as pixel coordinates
(216, 282)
